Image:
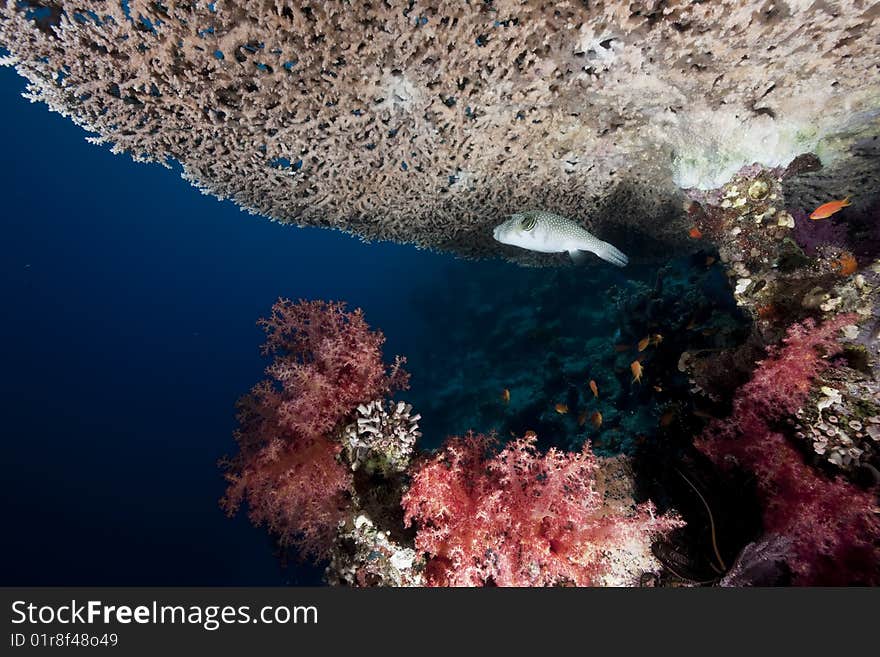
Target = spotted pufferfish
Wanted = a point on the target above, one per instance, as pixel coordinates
(546, 232)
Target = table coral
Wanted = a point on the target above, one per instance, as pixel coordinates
(429, 122)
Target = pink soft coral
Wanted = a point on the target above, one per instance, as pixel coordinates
(781, 383)
(518, 518)
(832, 524)
(326, 362)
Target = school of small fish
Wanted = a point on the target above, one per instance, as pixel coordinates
(545, 232)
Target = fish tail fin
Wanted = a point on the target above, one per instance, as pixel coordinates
(845, 202)
(610, 253)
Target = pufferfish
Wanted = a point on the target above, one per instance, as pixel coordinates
(545, 232)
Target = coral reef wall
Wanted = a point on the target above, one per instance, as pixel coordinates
(428, 122)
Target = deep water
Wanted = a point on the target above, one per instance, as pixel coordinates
(130, 303)
(542, 335)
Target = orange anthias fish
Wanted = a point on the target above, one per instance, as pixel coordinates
(594, 388)
(827, 209)
(636, 368)
(643, 343)
(695, 233)
(656, 339)
(621, 347)
(505, 396)
(596, 419)
(562, 409)
(582, 418)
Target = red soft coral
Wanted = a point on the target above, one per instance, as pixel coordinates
(831, 523)
(518, 517)
(326, 362)
(781, 383)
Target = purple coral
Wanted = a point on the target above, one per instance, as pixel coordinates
(810, 235)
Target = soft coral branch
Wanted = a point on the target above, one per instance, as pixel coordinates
(326, 361)
(832, 525)
(518, 517)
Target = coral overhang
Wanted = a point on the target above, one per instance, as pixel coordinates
(428, 122)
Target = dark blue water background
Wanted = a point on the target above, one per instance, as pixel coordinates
(129, 302)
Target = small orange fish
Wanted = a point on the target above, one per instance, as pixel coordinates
(582, 418)
(656, 339)
(695, 233)
(667, 418)
(562, 409)
(596, 419)
(827, 209)
(658, 388)
(636, 368)
(643, 343)
(505, 396)
(621, 347)
(594, 388)
(710, 260)
(845, 265)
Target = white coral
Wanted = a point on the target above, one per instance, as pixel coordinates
(379, 439)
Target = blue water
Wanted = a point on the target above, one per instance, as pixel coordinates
(129, 306)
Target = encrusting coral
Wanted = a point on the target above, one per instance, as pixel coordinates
(429, 122)
(364, 555)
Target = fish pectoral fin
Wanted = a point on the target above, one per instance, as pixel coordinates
(610, 253)
(578, 257)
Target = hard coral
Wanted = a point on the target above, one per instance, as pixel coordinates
(832, 524)
(326, 362)
(379, 439)
(518, 517)
(430, 122)
(366, 556)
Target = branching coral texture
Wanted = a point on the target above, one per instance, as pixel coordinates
(832, 525)
(518, 517)
(326, 362)
(428, 122)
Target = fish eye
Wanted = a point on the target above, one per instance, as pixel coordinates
(528, 223)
